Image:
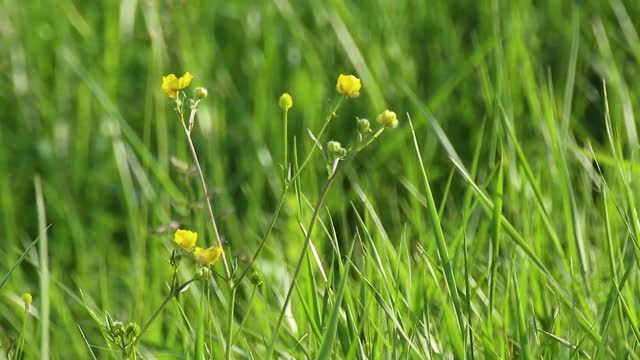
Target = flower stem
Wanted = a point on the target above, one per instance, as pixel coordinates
(230, 324)
(286, 187)
(286, 146)
(307, 240)
(158, 311)
(212, 218)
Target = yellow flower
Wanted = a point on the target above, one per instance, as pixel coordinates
(27, 299)
(208, 256)
(172, 84)
(286, 102)
(388, 118)
(185, 238)
(348, 85)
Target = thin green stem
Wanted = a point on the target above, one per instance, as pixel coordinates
(307, 240)
(230, 323)
(212, 218)
(328, 119)
(286, 187)
(164, 303)
(246, 316)
(286, 145)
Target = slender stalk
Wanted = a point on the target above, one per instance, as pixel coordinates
(307, 240)
(159, 310)
(286, 187)
(246, 316)
(230, 324)
(328, 119)
(286, 146)
(194, 154)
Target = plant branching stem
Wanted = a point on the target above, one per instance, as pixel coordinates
(158, 311)
(307, 240)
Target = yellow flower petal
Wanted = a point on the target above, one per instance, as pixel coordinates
(207, 256)
(185, 238)
(185, 80)
(348, 85)
(171, 84)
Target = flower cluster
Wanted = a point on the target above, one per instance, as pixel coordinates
(204, 256)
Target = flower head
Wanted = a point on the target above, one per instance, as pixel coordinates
(185, 238)
(207, 256)
(200, 93)
(348, 85)
(388, 118)
(285, 102)
(27, 299)
(171, 84)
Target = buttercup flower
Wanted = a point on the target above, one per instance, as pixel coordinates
(388, 118)
(185, 238)
(172, 84)
(286, 102)
(27, 299)
(348, 85)
(207, 256)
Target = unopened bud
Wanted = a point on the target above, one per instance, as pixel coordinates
(285, 102)
(200, 93)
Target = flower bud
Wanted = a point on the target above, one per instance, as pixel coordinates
(257, 279)
(285, 102)
(27, 299)
(132, 329)
(335, 150)
(364, 127)
(388, 118)
(200, 93)
(117, 329)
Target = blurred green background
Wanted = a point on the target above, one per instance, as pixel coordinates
(82, 109)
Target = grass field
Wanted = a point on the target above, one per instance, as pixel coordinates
(499, 220)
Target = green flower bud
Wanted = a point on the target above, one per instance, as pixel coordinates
(285, 102)
(200, 93)
(257, 279)
(336, 150)
(364, 127)
(27, 299)
(117, 329)
(132, 329)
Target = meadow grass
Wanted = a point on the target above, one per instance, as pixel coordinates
(499, 220)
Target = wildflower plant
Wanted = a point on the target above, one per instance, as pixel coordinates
(202, 258)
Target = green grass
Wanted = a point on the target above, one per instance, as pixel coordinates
(498, 221)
